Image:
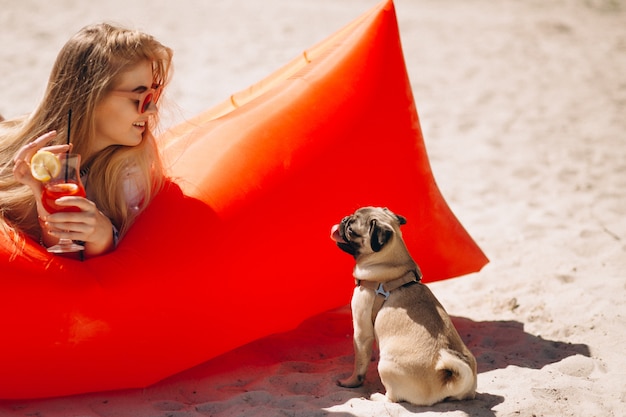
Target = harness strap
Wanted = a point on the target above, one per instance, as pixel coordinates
(384, 289)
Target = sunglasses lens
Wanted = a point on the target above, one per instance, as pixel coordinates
(146, 102)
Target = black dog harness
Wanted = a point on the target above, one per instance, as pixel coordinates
(384, 289)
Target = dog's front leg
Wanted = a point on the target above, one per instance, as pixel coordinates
(362, 301)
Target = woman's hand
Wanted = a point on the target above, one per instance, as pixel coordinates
(88, 225)
(21, 160)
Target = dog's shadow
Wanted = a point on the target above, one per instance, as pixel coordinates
(498, 344)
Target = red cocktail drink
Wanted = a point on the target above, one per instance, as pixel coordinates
(57, 189)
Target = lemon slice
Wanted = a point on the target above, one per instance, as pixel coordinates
(44, 166)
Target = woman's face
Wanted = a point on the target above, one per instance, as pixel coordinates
(117, 117)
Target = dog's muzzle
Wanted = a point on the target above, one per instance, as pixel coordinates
(340, 235)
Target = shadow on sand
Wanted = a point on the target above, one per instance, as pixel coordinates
(498, 344)
(298, 368)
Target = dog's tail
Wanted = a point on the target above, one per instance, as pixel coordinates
(457, 377)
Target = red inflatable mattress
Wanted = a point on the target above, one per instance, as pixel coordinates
(237, 246)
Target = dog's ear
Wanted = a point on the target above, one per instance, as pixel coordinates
(401, 219)
(379, 235)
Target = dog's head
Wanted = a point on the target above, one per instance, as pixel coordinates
(368, 230)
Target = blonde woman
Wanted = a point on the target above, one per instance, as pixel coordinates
(111, 79)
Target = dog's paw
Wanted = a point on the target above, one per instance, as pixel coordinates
(353, 382)
(377, 396)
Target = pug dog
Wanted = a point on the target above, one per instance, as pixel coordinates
(422, 359)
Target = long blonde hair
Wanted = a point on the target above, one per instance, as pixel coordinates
(85, 71)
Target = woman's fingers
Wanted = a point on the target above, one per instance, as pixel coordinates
(21, 160)
(26, 152)
(88, 224)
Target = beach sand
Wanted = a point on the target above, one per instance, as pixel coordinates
(523, 110)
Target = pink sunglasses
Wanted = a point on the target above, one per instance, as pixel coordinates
(151, 95)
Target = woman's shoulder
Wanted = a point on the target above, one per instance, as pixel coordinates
(7, 125)
(133, 186)
(11, 137)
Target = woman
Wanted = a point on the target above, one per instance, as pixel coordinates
(110, 78)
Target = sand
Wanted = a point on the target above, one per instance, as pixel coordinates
(523, 108)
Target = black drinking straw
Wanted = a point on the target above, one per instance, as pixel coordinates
(69, 129)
